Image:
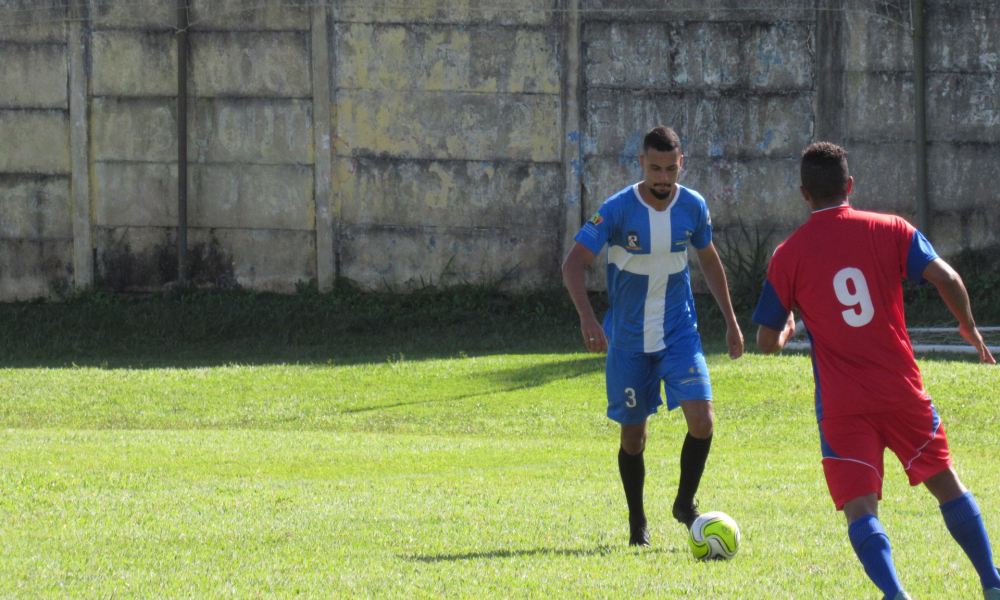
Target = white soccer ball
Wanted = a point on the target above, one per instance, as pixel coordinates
(714, 535)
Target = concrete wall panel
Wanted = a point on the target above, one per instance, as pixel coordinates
(505, 195)
(743, 55)
(963, 107)
(438, 125)
(628, 55)
(39, 140)
(135, 194)
(150, 15)
(963, 38)
(33, 76)
(884, 177)
(877, 44)
(266, 259)
(434, 58)
(519, 12)
(962, 175)
(882, 106)
(259, 64)
(35, 208)
(252, 197)
(33, 21)
(134, 63)
(955, 231)
(142, 130)
(260, 131)
(31, 269)
(400, 257)
(249, 15)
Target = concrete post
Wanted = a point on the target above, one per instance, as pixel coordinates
(830, 116)
(79, 140)
(572, 136)
(325, 267)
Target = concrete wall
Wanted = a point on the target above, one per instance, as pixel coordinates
(400, 144)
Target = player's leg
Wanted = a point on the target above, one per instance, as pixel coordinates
(686, 379)
(871, 544)
(700, 418)
(631, 399)
(632, 468)
(922, 446)
(965, 523)
(852, 450)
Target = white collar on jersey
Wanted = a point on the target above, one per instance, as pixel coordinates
(831, 208)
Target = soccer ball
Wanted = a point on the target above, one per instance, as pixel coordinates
(714, 535)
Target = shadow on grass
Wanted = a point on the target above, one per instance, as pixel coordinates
(508, 380)
(603, 550)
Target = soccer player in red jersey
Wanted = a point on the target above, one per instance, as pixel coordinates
(842, 272)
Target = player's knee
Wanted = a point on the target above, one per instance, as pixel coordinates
(633, 442)
(701, 429)
(701, 424)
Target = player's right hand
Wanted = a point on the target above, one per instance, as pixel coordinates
(593, 336)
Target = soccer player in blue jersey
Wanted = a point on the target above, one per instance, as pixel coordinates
(841, 271)
(650, 330)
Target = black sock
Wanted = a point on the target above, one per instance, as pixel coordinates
(694, 453)
(633, 471)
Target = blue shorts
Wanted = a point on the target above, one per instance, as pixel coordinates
(633, 379)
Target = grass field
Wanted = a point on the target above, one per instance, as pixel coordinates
(460, 460)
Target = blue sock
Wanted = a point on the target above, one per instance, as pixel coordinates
(965, 523)
(871, 544)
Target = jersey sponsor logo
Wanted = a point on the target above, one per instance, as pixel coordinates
(597, 219)
(684, 242)
(632, 241)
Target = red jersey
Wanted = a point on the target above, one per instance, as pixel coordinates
(842, 271)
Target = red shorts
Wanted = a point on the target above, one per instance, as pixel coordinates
(853, 447)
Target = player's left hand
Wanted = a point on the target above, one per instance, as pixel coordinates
(734, 340)
(972, 335)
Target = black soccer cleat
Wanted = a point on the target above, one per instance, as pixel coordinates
(686, 514)
(638, 533)
(639, 537)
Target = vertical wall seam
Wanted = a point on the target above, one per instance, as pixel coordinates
(572, 134)
(182, 138)
(325, 263)
(80, 196)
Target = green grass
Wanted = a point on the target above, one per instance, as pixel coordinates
(412, 461)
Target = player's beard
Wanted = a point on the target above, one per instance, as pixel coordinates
(661, 195)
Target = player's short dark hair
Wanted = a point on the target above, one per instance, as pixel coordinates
(824, 171)
(661, 139)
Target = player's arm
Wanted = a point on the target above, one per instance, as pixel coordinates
(715, 276)
(952, 289)
(574, 270)
(770, 340)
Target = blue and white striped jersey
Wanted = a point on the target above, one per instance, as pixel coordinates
(649, 283)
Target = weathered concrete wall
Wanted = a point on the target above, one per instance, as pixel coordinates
(740, 94)
(447, 143)
(399, 144)
(36, 235)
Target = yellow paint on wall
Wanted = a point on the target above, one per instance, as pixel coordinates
(533, 64)
(438, 198)
(394, 73)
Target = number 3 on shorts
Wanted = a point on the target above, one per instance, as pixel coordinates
(859, 299)
(631, 397)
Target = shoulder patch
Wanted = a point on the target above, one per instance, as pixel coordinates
(597, 219)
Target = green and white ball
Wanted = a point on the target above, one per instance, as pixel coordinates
(714, 535)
